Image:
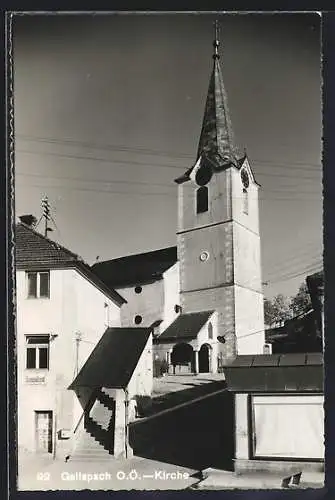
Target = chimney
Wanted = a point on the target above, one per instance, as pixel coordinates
(29, 220)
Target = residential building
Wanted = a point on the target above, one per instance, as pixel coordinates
(63, 309)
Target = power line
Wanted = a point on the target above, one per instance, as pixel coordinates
(96, 159)
(315, 268)
(104, 181)
(171, 195)
(134, 162)
(296, 267)
(149, 151)
(108, 181)
(288, 267)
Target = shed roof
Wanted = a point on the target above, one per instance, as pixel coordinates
(276, 373)
(136, 269)
(185, 326)
(114, 359)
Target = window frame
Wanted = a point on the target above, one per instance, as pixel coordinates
(38, 284)
(37, 346)
(199, 190)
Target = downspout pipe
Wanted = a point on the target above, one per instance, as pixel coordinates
(126, 417)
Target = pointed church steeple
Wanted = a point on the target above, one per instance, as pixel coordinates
(216, 144)
(217, 137)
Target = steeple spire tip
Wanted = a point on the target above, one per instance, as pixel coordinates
(216, 42)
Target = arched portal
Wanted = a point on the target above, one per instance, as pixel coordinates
(205, 355)
(182, 357)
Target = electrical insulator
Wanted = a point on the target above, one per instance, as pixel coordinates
(46, 208)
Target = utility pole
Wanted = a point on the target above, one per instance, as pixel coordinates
(78, 339)
(46, 214)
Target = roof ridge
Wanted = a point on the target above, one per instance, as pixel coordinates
(55, 244)
(135, 255)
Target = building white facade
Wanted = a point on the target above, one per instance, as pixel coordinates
(62, 312)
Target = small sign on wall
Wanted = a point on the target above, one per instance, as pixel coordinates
(35, 379)
(64, 434)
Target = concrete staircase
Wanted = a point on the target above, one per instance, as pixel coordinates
(94, 442)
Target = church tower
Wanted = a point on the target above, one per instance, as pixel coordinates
(218, 231)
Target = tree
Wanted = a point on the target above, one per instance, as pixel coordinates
(301, 302)
(276, 310)
(282, 306)
(269, 312)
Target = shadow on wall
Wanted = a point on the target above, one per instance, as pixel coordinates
(197, 436)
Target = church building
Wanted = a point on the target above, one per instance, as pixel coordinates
(203, 297)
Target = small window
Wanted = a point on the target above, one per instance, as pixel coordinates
(138, 319)
(202, 199)
(210, 330)
(245, 201)
(37, 352)
(38, 284)
(138, 289)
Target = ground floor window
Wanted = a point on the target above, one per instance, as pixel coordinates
(288, 426)
(43, 431)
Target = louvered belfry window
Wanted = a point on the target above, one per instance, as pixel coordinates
(202, 199)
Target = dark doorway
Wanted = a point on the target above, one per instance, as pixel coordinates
(204, 357)
(182, 358)
(43, 431)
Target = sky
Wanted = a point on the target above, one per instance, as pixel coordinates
(108, 112)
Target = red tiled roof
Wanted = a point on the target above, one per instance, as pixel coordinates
(32, 248)
(35, 251)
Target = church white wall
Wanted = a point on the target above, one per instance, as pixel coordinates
(171, 296)
(218, 268)
(249, 321)
(250, 220)
(247, 258)
(219, 202)
(149, 304)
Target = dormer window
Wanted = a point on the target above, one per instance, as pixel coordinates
(202, 199)
(38, 284)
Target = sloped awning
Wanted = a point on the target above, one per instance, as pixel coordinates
(276, 373)
(114, 359)
(185, 326)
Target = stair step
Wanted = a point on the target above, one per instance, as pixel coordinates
(88, 458)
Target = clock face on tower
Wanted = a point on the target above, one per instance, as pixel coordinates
(204, 174)
(245, 178)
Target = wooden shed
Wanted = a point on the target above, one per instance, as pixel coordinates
(279, 417)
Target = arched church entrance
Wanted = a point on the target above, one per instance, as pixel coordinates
(182, 358)
(205, 355)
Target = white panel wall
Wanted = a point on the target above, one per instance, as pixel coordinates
(141, 382)
(289, 426)
(249, 321)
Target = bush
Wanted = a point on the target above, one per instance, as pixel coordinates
(144, 405)
(161, 366)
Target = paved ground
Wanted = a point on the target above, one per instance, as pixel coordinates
(174, 383)
(219, 480)
(190, 429)
(135, 473)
